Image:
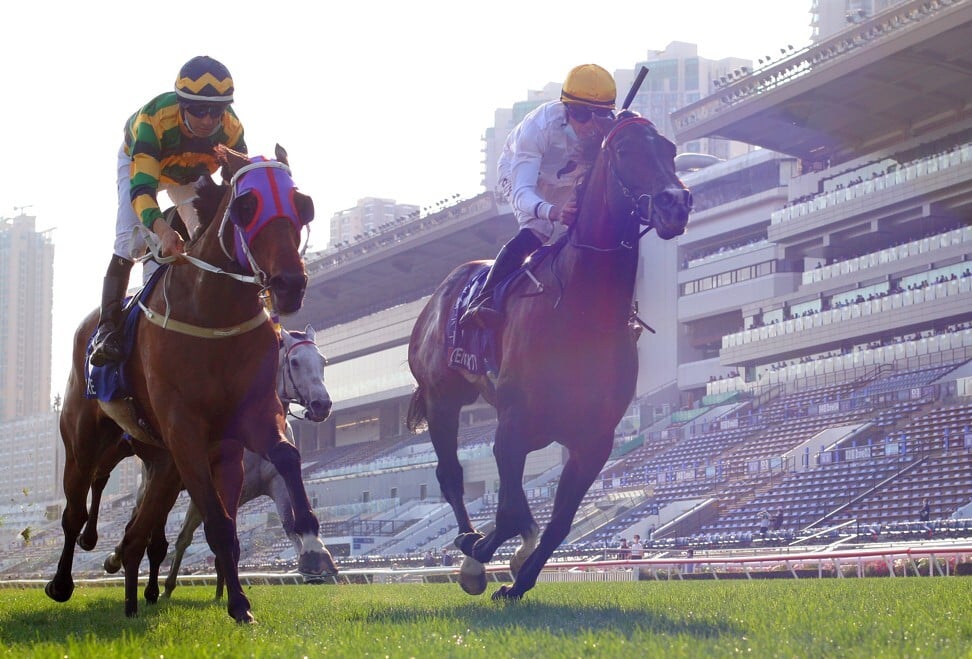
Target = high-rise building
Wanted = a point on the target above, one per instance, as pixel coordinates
(26, 298)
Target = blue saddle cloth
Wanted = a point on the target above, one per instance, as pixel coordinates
(471, 349)
(110, 382)
(474, 349)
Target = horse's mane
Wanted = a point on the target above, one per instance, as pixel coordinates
(209, 195)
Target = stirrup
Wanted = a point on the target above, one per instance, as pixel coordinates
(106, 350)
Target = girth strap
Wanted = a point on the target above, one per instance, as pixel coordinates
(203, 332)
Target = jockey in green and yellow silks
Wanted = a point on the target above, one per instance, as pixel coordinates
(169, 144)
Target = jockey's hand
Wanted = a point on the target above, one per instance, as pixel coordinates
(565, 214)
(171, 242)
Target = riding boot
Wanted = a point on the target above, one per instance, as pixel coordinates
(509, 259)
(107, 344)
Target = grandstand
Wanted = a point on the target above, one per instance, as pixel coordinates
(814, 333)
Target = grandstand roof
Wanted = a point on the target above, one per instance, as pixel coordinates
(899, 74)
(401, 262)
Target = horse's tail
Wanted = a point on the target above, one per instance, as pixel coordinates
(415, 418)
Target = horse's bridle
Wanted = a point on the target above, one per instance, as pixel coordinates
(644, 219)
(289, 383)
(643, 207)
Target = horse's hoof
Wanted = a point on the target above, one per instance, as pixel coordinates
(59, 594)
(465, 542)
(112, 563)
(87, 543)
(245, 618)
(315, 560)
(131, 611)
(506, 594)
(152, 597)
(472, 576)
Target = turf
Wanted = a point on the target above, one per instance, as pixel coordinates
(877, 617)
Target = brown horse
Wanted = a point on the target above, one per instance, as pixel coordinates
(202, 377)
(567, 352)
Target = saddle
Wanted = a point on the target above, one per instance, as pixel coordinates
(110, 382)
(476, 349)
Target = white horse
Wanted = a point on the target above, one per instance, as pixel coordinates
(300, 380)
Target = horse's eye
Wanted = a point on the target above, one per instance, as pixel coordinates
(294, 364)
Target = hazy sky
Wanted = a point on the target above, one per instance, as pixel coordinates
(380, 98)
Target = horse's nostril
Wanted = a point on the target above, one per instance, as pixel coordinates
(321, 408)
(665, 200)
(289, 282)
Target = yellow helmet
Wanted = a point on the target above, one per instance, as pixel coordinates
(589, 84)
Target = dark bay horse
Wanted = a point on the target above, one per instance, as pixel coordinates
(202, 377)
(568, 357)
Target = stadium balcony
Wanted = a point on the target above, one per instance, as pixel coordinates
(957, 159)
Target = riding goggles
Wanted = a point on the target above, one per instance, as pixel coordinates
(583, 113)
(201, 110)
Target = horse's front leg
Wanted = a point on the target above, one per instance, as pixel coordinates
(579, 472)
(513, 515)
(201, 466)
(227, 470)
(315, 560)
(318, 555)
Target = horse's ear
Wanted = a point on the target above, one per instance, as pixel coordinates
(222, 154)
(309, 331)
(305, 207)
(230, 160)
(281, 154)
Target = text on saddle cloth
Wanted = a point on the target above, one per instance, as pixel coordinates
(473, 349)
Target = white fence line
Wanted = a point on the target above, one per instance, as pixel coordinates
(899, 560)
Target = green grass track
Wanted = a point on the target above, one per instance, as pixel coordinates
(839, 618)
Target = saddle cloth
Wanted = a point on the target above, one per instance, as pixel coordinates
(474, 349)
(471, 349)
(110, 382)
